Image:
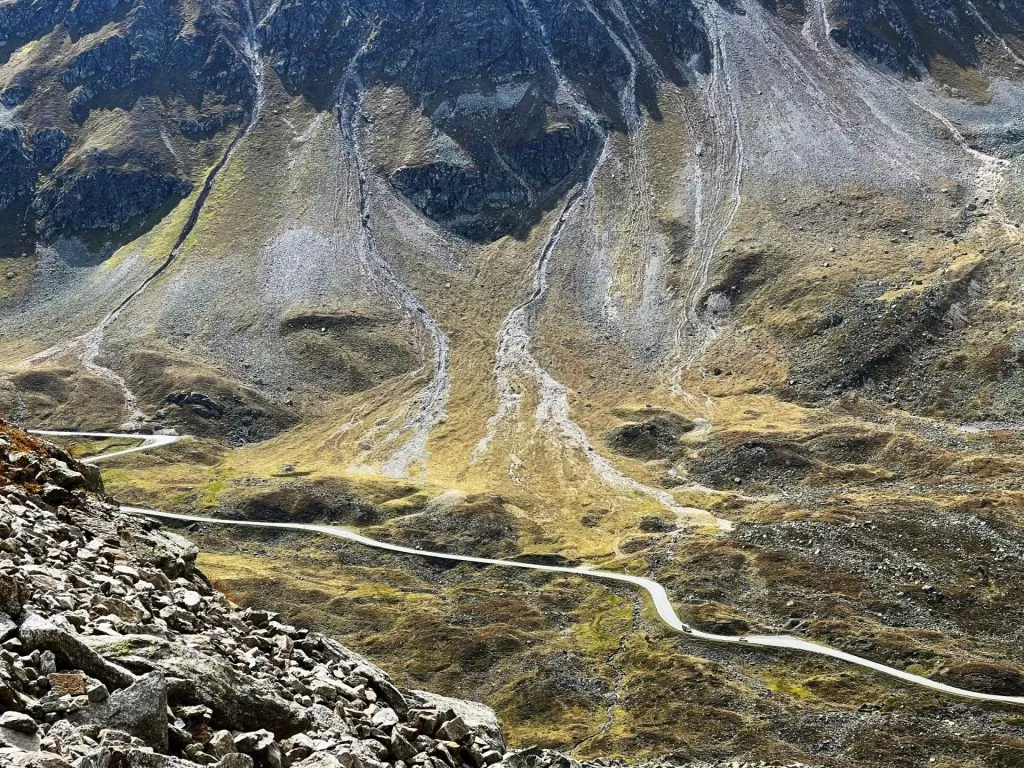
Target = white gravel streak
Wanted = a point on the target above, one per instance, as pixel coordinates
(718, 194)
(87, 349)
(428, 407)
(647, 281)
(514, 357)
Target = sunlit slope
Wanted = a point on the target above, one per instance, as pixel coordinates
(766, 207)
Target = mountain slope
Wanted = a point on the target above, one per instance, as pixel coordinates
(620, 275)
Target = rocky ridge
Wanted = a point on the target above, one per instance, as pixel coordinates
(116, 652)
(109, 111)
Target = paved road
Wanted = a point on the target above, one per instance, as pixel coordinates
(657, 592)
(148, 441)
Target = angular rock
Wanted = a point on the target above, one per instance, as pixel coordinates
(321, 760)
(453, 730)
(98, 758)
(62, 475)
(254, 742)
(10, 595)
(18, 721)
(385, 718)
(139, 711)
(56, 494)
(221, 743)
(114, 607)
(115, 737)
(401, 748)
(36, 633)
(19, 739)
(7, 626)
(477, 716)
(298, 747)
(96, 691)
(42, 760)
(235, 760)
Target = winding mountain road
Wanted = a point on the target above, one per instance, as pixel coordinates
(148, 441)
(656, 591)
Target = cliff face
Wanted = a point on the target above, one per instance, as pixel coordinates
(911, 36)
(111, 109)
(527, 90)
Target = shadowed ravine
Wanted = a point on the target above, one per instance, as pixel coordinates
(658, 594)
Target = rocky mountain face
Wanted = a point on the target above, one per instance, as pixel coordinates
(103, 103)
(446, 132)
(519, 95)
(909, 37)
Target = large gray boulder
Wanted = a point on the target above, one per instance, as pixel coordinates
(140, 710)
(37, 633)
(238, 700)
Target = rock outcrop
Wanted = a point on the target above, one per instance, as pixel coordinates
(525, 91)
(493, 81)
(906, 37)
(84, 142)
(116, 196)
